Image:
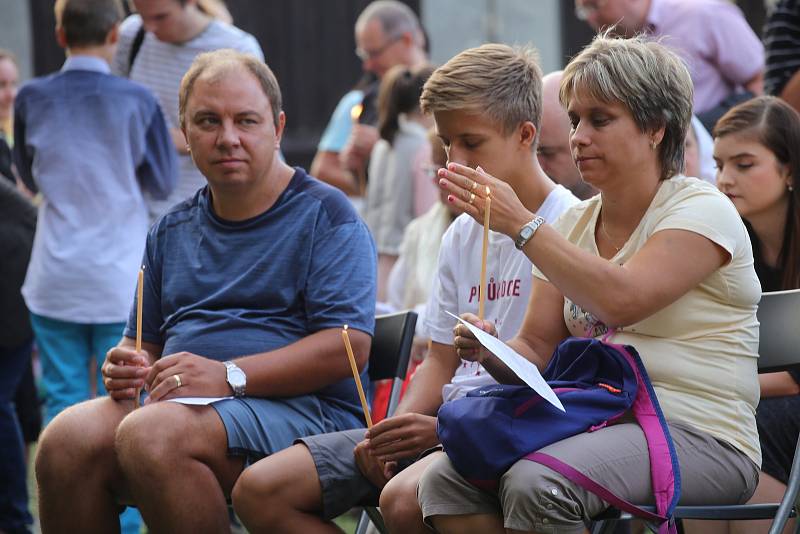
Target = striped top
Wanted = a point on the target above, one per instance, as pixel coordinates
(159, 66)
(782, 43)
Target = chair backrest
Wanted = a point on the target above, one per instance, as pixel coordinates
(391, 345)
(391, 349)
(779, 338)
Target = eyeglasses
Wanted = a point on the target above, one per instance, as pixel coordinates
(586, 8)
(365, 55)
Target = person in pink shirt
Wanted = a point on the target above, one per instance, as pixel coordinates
(725, 57)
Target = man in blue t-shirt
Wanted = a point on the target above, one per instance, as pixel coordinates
(246, 288)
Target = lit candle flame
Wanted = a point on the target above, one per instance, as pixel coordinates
(355, 112)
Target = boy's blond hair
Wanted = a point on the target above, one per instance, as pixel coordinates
(503, 83)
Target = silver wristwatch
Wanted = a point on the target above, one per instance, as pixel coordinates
(236, 378)
(526, 232)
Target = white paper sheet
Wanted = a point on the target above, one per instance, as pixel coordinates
(521, 367)
(198, 401)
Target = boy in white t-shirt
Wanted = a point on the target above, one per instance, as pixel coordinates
(489, 118)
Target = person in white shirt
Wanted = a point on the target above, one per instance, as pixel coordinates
(489, 119)
(157, 45)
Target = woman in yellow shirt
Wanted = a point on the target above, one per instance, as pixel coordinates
(660, 259)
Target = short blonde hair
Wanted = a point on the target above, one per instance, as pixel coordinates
(645, 77)
(502, 82)
(220, 62)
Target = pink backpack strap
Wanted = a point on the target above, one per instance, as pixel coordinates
(664, 468)
(601, 491)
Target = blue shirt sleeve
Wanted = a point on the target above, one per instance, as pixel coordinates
(342, 279)
(158, 170)
(23, 160)
(338, 130)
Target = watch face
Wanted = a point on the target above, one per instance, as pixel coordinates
(236, 378)
(526, 232)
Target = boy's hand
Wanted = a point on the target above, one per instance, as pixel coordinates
(467, 346)
(374, 470)
(402, 436)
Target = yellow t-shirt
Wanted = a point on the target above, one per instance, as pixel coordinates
(701, 350)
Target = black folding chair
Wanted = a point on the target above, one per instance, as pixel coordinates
(388, 359)
(779, 350)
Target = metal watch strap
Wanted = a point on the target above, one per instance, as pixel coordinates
(528, 231)
(238, 391)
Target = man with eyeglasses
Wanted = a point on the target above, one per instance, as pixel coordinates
(725, 57)
(387, 33)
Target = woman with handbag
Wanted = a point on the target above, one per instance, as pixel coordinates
(662, 262)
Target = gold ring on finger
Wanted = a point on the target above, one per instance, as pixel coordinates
(474, 186)
(471, 198)
(178, 382)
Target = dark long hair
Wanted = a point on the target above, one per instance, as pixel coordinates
(399, 93)
(776, 125)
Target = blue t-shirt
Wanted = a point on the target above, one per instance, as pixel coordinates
(223, 289)
(341, 124)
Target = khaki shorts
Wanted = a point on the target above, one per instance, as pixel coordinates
(532, 497)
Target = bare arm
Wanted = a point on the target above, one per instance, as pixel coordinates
(303, 367)
(541, 331)
(327, 167)
(778, 385)
(618, 295)
(355, 154)
(791, 91)
(424, 394)
(756, 84)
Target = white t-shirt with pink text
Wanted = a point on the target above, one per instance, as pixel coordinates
(455, 289)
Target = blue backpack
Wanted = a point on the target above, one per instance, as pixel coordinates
(598, 382)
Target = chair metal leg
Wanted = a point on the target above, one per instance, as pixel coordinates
(376, 518)
(370, 516)
(363, 523)
(791, 498)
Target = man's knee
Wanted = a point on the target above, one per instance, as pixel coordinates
(150, 437)
(79, 440)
